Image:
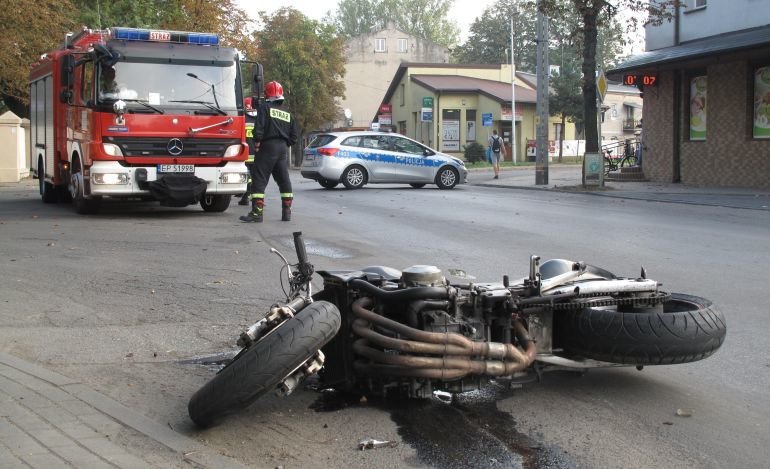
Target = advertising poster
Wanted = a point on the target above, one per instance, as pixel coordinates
(698, 107)
(450, 135)
(762, 103)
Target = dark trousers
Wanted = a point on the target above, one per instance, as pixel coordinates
(270, 160)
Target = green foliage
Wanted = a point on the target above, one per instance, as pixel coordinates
(489, 39)
(422, 18)
(30, 28)
(474, 152)
(307, 58)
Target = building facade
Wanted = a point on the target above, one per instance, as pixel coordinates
(706, 85)
(372, 59)
(448, 107)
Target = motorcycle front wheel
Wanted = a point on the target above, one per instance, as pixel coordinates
(265, 364)
(688, 329)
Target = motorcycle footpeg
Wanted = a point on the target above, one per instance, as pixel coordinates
(310, 367)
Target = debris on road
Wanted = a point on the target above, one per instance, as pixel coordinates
(683, 413)
(371, 443)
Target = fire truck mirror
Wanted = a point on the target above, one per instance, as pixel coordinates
(65, 73)
(66, 96)
(257, 86)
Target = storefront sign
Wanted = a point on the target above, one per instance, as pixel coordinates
(486, 119)
(426, 114)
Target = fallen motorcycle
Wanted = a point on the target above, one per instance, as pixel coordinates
(416, 332)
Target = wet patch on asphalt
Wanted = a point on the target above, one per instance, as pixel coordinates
(468, 432)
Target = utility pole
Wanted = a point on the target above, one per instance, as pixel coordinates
(541, 127)
(513, 99)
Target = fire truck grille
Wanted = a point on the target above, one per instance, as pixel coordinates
(182, 147)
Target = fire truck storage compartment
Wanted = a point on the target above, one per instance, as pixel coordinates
(41, 126)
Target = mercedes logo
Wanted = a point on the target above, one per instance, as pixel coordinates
(175, 147)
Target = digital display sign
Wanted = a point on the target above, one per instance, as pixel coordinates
(640, 80)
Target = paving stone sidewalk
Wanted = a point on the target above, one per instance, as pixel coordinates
(49, 421)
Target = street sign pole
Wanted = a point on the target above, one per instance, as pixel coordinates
(513, 100)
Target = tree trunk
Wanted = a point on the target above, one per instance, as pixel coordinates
(590, 14)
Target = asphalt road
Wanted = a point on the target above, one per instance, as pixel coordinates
(129, 300)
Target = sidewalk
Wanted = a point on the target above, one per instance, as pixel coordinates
(49, 421)
(568, 178)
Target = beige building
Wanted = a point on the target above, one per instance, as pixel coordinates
(449, 106)
(622, 115)
(372, 60)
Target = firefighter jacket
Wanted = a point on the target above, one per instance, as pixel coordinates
(275, 123)
(250, 122)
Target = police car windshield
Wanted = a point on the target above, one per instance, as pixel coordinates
(169, 86)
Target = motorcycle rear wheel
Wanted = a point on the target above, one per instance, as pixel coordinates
(265, 364)
(689, 329)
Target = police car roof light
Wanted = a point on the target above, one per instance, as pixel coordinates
(136, 34)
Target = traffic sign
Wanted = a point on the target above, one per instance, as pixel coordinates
(601, 85)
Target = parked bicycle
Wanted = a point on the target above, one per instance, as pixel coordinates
(615, 162)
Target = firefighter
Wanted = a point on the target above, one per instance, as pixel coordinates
(251, 117)
(274, 132)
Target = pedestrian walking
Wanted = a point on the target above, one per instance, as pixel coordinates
(251, 118)
(275, 130)
(498, 151)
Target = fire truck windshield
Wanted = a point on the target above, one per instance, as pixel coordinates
(170, 86)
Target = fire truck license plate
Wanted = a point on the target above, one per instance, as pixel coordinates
(176, 168)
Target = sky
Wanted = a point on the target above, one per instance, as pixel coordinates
(463, 12)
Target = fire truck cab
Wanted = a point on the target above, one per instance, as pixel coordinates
(134, 113)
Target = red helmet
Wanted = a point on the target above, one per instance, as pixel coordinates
(273, 91)
(248, 103)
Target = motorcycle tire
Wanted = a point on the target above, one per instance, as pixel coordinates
(689, 329)
(265, 364)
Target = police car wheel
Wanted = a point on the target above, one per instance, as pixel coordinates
(447, 178)
(354, 177)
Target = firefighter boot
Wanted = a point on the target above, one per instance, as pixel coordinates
(255, 216)
(244, 199)
(286, 208)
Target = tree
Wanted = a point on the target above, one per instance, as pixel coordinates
(307, 58)
(30, 28)
(593, 14)
(565, 99)
(422, 18)
(489, 39)
(131, 14)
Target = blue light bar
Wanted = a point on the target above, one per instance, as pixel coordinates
(134, 34)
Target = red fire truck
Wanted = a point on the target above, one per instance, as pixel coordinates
(134, 113)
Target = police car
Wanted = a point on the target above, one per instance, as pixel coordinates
(358, 158)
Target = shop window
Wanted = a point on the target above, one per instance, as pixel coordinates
(470, 124)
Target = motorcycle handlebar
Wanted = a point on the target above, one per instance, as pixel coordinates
(305, 268)
(299, 245)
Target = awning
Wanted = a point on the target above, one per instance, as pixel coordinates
(700, 48)
(633, 105)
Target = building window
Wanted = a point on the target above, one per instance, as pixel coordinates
(470, 125)
(699, 3)
(558, 131)
(761, 125)
(403, 94)
(380, 45)
(403, 45)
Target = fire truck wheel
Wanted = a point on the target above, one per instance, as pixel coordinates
(215, 203)
(82, 205)
(47, 190)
